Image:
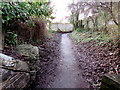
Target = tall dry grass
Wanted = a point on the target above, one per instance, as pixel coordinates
(33, 33)
(39, 31)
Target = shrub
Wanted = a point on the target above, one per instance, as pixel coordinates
(11, 39)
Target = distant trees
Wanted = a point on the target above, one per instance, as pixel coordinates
(97, 16)
(76, 9)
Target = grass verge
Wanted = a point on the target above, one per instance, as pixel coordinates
(88, 36)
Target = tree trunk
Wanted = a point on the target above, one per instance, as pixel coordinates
(105, 25)
(77, 21)
(93, 23)
(96, 23)
(105, 29)
(119, 25)
(1, 47)
(119, 17)
(87, 24)
(111, 11)
(94, 20)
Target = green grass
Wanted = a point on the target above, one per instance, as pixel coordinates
(88, 36)
(52, 31)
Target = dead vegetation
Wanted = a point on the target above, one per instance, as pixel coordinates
(34, 30)
(97, 61)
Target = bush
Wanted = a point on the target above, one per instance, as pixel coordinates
(11, 39)
(16, 20)
(80, 30)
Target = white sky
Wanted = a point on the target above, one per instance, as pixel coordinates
(60, 10)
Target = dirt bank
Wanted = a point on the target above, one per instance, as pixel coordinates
(49, 55)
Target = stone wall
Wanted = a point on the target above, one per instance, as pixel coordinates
(14, 73)
(110, 81)
(18, 74)
(15, 80)
(62, 26)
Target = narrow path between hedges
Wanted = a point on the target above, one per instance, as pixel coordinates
(69, 75)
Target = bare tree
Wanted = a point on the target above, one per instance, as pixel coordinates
(108, 7)
(76, 9)
(94, 7)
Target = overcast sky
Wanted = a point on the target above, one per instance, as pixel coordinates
(60, 9)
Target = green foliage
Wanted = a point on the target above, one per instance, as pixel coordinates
(11, 39)
(12, 11)
(75, 36)
(80, 30)
(52, 31)
(98, 37)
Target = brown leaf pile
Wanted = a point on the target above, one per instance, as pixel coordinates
(97, 61)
